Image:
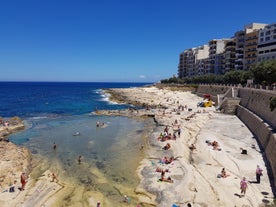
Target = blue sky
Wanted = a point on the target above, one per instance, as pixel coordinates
(113, 40)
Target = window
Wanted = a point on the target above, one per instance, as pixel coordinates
(261, 34)
(267, 32)
(267, 38)
(262, 39)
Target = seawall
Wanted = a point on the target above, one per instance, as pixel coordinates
(254, 110)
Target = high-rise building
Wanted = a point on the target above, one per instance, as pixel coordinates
(201, 60)
(251, 44)
(267, 43)
(216, 55)
(256, 42)
(229, 55)
(181, 70)
(193, 61)
(239, 37)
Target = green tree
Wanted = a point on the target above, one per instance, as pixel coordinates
(237, 76)
(264, 72)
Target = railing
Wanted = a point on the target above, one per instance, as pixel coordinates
(253, 86)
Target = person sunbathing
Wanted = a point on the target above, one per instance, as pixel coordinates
(215, 145)
(167, 160)
(223, 173)
(168, 179)
(192, 147)
(167, 146)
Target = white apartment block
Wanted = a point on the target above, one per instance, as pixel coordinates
(267, 43)
(201, 60)
(216, 55)
(193, 61)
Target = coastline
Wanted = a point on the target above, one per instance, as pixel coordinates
(194, 172)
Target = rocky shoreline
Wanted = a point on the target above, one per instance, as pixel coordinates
(194, 172)
(13, 159)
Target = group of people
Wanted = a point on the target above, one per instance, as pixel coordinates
(99, 124)
(23, 182)
(4, 123)
(244, 182)
(165, 135)
(167, 160)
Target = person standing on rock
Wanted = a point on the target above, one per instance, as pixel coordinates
(259, 173)
(23, 180)
(243, 186)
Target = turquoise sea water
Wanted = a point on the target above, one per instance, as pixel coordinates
(110, 154)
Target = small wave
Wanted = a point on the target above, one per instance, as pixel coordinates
(39, 117)
(106, 98)
(98, 91)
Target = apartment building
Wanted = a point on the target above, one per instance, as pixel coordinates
(229, 55)
(186, 63)
(239, 37)
(193, 61)
(251, 44)
(266, 49)
(216, 55)
(201, 60)
(181, 70)
(255, 43)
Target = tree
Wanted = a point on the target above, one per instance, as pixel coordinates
(237, 76)
(264, 72)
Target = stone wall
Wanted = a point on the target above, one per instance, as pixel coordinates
(258, 101)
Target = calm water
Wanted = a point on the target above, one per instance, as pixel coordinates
(53, 112)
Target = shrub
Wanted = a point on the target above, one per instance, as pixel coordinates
(272, 103)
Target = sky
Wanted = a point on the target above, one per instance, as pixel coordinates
(113, 40)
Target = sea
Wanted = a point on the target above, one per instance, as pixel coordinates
(62, 113)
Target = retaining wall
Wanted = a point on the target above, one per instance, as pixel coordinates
(258, 101)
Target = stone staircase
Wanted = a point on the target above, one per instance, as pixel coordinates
(228, 102)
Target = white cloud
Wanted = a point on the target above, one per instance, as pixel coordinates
(142, 76)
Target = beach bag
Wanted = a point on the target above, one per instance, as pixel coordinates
(11, 189)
